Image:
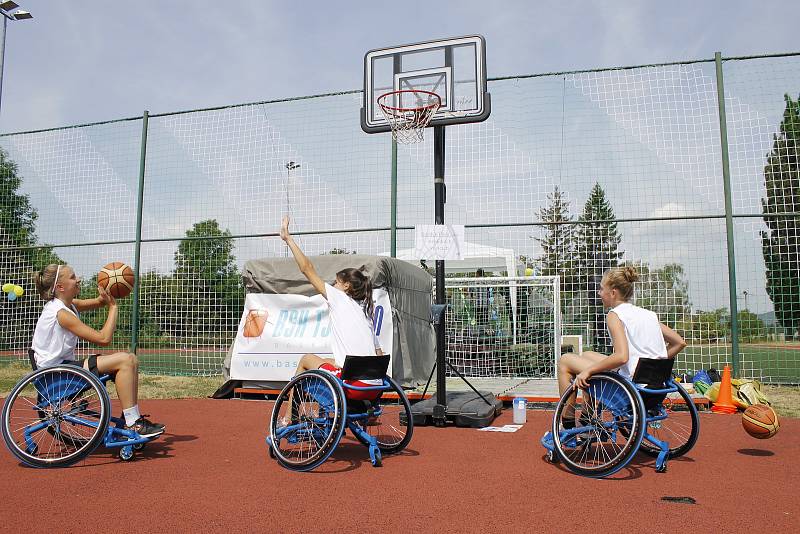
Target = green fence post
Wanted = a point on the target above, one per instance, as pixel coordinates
(393, 222)
(726, 181)
(138, 246)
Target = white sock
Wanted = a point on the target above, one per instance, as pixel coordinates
(131, 415)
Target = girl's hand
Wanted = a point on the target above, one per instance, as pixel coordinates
(582, 380)
(106, 298)
(285, 228)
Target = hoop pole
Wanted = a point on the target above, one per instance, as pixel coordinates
(440, 193)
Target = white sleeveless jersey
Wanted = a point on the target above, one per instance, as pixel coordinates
(643, 331)
(51, 343)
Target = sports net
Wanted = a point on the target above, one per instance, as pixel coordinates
(572, 174)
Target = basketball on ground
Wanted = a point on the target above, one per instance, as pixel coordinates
(760, 421)
(117, 279)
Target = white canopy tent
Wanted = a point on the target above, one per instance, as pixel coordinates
(476, 256)
(488, 258)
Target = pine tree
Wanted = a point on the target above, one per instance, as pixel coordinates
(780, 244)
(558, 244)
(596, 251)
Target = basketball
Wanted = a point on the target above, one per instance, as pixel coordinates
(117, 279)
(760, 421)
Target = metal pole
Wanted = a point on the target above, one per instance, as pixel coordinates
(726, 181)
(138, 246)
(393, 221)
(2, 57)
(440, 194)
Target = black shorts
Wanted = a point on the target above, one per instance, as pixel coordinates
(92, 364)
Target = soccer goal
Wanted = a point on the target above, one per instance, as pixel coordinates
(507, 327)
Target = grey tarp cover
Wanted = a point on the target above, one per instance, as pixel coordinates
(409, 288)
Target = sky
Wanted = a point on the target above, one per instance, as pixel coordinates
(78, 62)
(84, 62)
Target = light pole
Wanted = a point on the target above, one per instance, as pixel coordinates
(5, 10)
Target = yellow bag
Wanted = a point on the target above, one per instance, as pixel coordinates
(744, 392)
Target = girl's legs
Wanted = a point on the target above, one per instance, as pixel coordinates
(308, 362)
(569, 366)
(125, 368)
(311, 361)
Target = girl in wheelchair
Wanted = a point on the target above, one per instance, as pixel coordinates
(59, 327)
(635, 333)
(350, 305)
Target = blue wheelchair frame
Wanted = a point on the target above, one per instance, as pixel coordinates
(326, 430)
(637, 410)
(69, 383)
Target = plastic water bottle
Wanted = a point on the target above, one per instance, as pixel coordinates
(520, 405)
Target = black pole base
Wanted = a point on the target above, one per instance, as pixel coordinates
(461, 408)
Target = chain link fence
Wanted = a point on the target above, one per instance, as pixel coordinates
(688, 171)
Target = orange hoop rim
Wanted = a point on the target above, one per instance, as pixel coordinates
(435, 104)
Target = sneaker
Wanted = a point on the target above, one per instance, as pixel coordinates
(149, 422)
(146, 429)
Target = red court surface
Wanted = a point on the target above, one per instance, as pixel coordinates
(211, 473)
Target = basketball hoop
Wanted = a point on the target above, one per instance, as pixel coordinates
(409, 122)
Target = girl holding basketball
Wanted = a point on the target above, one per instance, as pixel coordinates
(59, 327)
(635, 333)
(350, 305)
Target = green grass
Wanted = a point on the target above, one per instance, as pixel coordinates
(776, 364)
(150, 386)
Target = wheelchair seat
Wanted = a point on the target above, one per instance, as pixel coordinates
(653, 374)
(355, 371)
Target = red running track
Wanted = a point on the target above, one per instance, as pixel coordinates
(211, 473)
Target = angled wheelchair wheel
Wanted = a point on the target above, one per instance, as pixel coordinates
(55, 416)
(390, 422)
(676, 423)
(307, 421)
(608, 426)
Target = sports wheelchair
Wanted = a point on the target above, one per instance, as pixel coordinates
(58, 415)
(618, 417)
(312, 410)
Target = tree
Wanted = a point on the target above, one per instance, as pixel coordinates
(206, 287)
(558, 244)
(21, 253)
(664, 291)
(780, 244)
(596, 250)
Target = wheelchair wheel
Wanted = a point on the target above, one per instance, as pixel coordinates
(312, 405)
(679, 429)
(393, 425)
(609, 426)
(55, 416)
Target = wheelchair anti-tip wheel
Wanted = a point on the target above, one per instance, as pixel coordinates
(389, 420)
(609, 426)
(678, 424)
(307, 421)
(55, 416)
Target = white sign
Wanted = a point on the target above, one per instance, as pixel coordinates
(276, 330)
(439, 242)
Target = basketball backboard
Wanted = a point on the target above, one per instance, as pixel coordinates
(454, 69)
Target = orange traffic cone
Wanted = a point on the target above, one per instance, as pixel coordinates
(724, 402)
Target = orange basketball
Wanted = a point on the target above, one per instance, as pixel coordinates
(117, 279)
(760, 421)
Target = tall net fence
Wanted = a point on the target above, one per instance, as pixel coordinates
(572, 174)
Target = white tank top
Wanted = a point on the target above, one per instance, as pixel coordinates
(643, 331)
(51, 343)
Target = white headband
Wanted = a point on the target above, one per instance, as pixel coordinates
(55, 281)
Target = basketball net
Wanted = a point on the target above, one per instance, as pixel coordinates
(408, 121)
